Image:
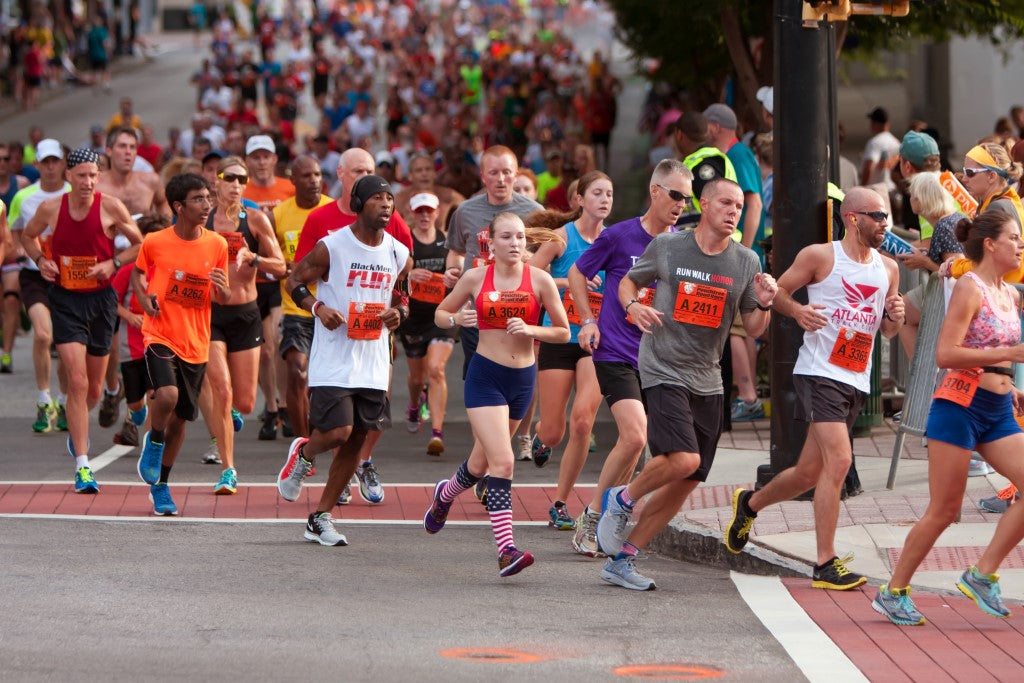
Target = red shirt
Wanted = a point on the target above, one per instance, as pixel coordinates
(126, 297)
(150, 153)
(323, 221)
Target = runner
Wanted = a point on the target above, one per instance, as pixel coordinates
(565, 366)
(80, 264)
(355, 271)
(297, 323)
(355, 163)
(422, 178)
(50, 413)
(506, 298)
(235, 328)
(852, 292)
(427, 346)
(973, 409)
(612, 340)
(10, 184)
(704, 278)
(178, 271)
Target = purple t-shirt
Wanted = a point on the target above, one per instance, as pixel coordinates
(615, 251)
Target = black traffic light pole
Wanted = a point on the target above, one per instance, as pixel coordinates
(802, 139)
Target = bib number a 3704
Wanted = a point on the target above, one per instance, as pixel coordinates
(959, 386)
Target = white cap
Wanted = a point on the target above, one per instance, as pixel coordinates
(384, 157)
(418, 201)
(257, 142)
(766, 96)
(49, 148)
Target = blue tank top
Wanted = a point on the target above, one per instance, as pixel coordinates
(12, 190)
(574, 246)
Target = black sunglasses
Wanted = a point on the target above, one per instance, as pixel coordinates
(232, 177)
(676, 195)
(878, 216)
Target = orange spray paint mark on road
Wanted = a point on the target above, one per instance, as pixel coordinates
(669, 672)
(495, 656)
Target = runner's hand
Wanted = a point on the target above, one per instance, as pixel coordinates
(589, 337)
(809, 318)
(149, 305)
(466, 316)
(219, 278)
(134, 319)
(451, 276)
(645, 316)
(895, 308)
(330, 317)
(594, 283)
(390, 317)
(104, 270)
(244, 258)
(48, 269)
(517, 326)
(765, 289)
(420, 275)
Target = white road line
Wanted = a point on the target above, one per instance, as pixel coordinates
(108, 456)
(236, 520)
(818, 657)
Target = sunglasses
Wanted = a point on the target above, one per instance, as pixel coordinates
(676, 195)
(5, 158)
(878, 216)
(971, 172)
(232, 177)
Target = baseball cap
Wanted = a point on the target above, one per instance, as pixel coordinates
(766, 96)
(916, 146)
(96, 129)
(214, 154)
(369, 185)
(879, 115)
(418, 201)
(49, 148)
(258, 142)
(553, 153)
(722, 114)
(384, 157)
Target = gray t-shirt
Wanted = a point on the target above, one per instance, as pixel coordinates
(474, 215)
(713, 287)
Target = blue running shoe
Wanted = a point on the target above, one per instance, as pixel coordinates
(897, 605)
(150, 459)
(611, 528)
(623, 573)
(539, 451)
(162, 502)
(237, 421)
(984, 590)
(84, 482)
(228, 483)
(437, 513)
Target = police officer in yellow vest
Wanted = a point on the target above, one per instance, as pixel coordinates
(690, 135)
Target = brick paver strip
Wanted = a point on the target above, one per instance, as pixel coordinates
(958, 558)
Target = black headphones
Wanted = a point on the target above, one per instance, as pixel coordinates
(356, 202)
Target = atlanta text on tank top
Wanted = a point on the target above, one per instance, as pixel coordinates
(359, 274)
(853, 296)
(75, 240)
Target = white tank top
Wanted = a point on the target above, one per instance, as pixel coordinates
(853, 295)
(359, 274)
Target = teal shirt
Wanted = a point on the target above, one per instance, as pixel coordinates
(574, 246)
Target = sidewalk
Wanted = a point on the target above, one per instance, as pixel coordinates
(872, 526)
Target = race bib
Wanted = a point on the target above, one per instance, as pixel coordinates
(573, 313)
(646, 297)
(483, 240)
(236, 241)
(958, 386)
(291, 243)
(74, 272)
(481, 262)
(500, 306)
(188, 290)
(698, 304)
(852, 350)
(431, 291)
(364, 320)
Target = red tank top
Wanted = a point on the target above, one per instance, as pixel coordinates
(494, 307)
(77, 246)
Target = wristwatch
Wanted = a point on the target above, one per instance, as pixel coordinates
(117, 262)
(764, 308)
(451, 322)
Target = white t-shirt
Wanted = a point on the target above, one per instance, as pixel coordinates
(883, 147)
(24, 206)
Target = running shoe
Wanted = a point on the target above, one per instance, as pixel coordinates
(320, 529)
(62, 418)
(1001, 501)
(289, 479)
(228, 483)
(287, 431)
(984, 590)
(835, 576)
(978, 467)
(237, 421)
(5, 364)
(593, 443)
(370, 488)
(560, 519)
(584, 541)
(742, 410)
(163, 504)
(511, 561)
(268, 430)
(738, 531)
(150, 459)
(212, 455)
(437, 513)
(897, 605)
(46, 416)
(480, 490)
(435, 446)
(129, 434)
(539, 452)
(611, 527)
(523, 447)
(84, 481)
(412, 420)
(110, 407)
(345, 497)
(623, 573)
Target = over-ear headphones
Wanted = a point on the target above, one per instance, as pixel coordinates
(356, 202)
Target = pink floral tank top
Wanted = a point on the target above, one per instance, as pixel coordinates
(992, 327)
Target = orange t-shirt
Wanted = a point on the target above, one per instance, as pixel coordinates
(179, 275)
(269, 197)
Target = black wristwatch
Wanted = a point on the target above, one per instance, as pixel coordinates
(116, 261)
(763, 308)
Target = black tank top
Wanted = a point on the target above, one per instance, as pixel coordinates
(243, 227)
